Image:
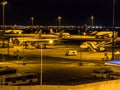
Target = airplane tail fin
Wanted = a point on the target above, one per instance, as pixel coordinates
(51, 31)
(61, 33)
(39, 33)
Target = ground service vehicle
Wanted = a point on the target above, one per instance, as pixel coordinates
(7, 70)
(71, 52)
(19, 79)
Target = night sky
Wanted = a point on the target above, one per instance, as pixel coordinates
(73, 12)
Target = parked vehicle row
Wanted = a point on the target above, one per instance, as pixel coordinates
(10, 76)
(105, 73)
(19, 79)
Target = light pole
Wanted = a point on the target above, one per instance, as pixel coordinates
(113, 29)
(32, 21)
(59, 21)
(41, 68)
(92, 20)
(41, 64)
(3, 10)
(3, 16)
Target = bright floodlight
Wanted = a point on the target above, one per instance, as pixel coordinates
(4, 2)
(59, 17)
(51, 41)
(92, 17)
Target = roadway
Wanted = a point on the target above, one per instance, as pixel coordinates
(58, 69)
(58, 72)
(59, 52)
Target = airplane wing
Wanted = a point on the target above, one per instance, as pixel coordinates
(38, 43)
(43, 41)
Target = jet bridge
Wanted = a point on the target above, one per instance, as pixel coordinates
(92, 46)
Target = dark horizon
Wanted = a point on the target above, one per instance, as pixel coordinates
(73, 12)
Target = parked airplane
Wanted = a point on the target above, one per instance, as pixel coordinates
(20, 39)
(106, 35)
(94, 36)
(13, 31)
(32, 35)
(98, 46)
(38, 43)
(60, 34)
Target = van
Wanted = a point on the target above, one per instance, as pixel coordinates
(71, 52)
